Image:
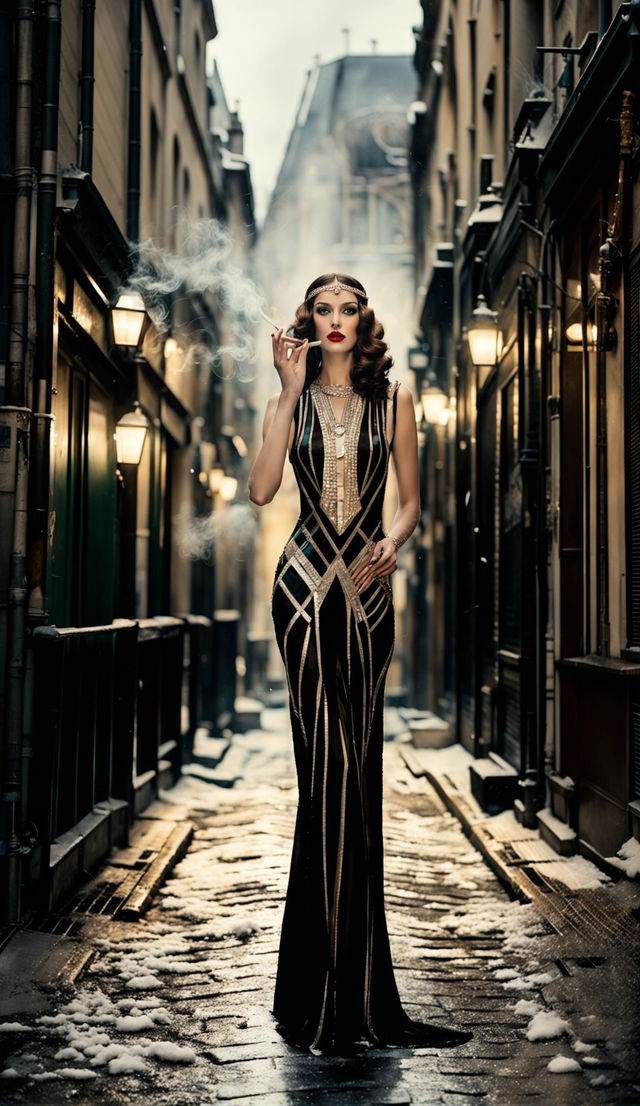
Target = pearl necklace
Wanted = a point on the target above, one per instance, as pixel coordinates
(339, 428)
(334, 389)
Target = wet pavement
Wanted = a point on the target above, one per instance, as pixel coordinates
(175, 1008)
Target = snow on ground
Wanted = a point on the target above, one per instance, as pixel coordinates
(545, 1025)
(562, 1064)
(89, 1025)
(627, 858)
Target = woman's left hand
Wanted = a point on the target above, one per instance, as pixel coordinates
(382, 562)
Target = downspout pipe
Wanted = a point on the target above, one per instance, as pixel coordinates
(24, 177)
(44, 309)
(135, 99)
(87, 83)
(16, 416)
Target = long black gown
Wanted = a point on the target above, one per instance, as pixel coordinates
(335, 983)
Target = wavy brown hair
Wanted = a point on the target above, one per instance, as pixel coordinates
(372, 361)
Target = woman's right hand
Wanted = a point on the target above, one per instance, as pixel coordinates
(292, 369)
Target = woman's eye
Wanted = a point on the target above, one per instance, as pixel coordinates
(350, 310)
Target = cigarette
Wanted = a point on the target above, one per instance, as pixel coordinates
(285, 339)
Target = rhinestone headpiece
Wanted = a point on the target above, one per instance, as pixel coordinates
(336, 287)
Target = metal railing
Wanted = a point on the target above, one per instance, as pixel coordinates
(115, 708)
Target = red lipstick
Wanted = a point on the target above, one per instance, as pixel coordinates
(335, 336)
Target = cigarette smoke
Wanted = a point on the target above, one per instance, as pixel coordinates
(204, 266)
(234, 527)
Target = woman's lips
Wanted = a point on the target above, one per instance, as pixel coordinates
(335, 337)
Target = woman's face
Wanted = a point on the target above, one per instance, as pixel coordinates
(336, 318)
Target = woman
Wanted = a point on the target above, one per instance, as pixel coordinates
(332, 609)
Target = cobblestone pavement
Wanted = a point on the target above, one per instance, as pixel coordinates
(175, 1009)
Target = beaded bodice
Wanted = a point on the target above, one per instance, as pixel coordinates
(341, 470)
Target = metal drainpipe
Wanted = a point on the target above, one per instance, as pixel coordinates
(17, 416)
(135, 74)
(87, 82)
(44, 309)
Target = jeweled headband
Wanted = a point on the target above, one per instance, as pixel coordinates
(336, 287)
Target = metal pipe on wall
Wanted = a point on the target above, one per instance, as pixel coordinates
(135, 93)
(87, 82)
(16, 417)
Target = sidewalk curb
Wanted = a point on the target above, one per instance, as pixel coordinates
(455, 801)
(599, 913)
(171, 852)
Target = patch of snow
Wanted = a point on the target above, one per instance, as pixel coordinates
(9, 1073)
(144, 982)
(131, 1024)
(528, 982)
(600, 1080)
(562, 1064)
(166, 1050)
(126, 1064)
(507, 973)
(545, 1025)
(582, 1046)
(526, 1006)
(14, 1027)
(627, 857)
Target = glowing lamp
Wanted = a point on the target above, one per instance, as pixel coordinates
(434, 402)
(131, 431)
(216, 475)
(228, 486)
(483, 335)
(574, 334)
(128, 317)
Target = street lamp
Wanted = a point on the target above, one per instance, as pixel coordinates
(128, 317)
(131, 431)
(484, 335)
(434, 402)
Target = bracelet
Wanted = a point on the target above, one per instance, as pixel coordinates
(396, 541)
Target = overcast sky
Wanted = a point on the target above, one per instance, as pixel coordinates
(265, 47)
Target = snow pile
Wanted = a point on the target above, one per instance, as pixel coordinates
(528, 982)
(81, 1022)
(561, 1064)
(13, 1027)
(582, 1046)
(519, 923)
(526, 1006)
(545, 1025)
(627, 858)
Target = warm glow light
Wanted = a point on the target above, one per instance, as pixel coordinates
(215, 478)
(434, 402)
(240, 444)
(228, 486)
(128, 315)
(484, 335)
(131, 431)
(419, 410)
(170, 347)
(574, 334)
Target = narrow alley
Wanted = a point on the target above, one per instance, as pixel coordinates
(175, 1008)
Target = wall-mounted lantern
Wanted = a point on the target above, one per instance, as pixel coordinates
(216, 476)
(128, 316)
(434, 402)
(228, 486)
(574, 334)
(484, 335)
(130, 434)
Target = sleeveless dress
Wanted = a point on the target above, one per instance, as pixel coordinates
(335, 984)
